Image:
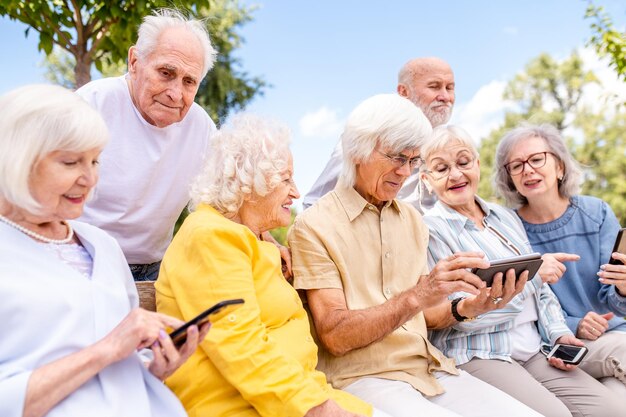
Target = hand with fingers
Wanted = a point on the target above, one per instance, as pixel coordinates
(613, 274)
(498, 295)
(558, 363)
(448, 276)
(593, 325)
(553, 268)
(141, 329)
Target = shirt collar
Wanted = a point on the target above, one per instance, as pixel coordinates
(354, 204)
(456, 220)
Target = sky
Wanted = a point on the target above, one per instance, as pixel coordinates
(324, 57)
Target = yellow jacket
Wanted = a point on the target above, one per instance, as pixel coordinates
(258, 359)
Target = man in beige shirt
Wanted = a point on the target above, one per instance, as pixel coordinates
(361, 257)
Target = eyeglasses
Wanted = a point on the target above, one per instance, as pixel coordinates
(443, 169)
(399, 161)
(536, 160)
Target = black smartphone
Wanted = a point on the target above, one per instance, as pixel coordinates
(179, 336)
(570, 354)
(530, 262)
(619, 246)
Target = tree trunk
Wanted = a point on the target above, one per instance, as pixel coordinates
(82, 71)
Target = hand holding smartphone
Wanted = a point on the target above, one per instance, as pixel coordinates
(530, 262)
(619, 246)
(179, 336)
(569, 354)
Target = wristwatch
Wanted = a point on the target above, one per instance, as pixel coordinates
(455, 312)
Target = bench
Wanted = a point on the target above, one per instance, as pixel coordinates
(147, 299)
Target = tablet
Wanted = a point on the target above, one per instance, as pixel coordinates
(530, 262)
(619, 246)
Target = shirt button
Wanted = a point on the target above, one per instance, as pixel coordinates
(387, 254)
(232, 318)
(387, 292)
(371, 207)
(309, 339)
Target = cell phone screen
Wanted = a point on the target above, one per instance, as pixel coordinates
(179, 336)
(567, 353)
(619, 246)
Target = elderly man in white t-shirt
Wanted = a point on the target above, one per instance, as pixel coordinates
(158, 137)
(429, 84)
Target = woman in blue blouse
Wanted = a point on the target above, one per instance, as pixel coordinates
(501, 345)
(538, 176)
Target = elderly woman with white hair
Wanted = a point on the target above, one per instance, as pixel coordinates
(537, 175)
(497, 334)
(260, 359)
(70, 323)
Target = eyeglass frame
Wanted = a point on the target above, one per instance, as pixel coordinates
(527, 162)
(399, 161)
(452, 164)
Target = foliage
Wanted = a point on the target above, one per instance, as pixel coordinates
(280, 233)
(226, 88)
(546, 91)
(606, 39)
(91, 31)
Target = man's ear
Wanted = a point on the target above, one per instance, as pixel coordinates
(402, 91)
(132, 59)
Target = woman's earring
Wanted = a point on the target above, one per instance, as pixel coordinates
(560, 180)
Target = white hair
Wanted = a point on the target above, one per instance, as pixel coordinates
(388, 120)
(442, 137)
(153, 26)
(34, 121)
(248, 156)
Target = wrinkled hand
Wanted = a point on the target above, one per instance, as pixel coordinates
(552, 268)
(593, 325)
(567, 339)
(448, 276)
(615, 274)
(167, 358)
(285, 255)
(494, 297)
(329, 408)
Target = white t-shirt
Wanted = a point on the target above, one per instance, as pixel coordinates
(145, 171)
(413, 191)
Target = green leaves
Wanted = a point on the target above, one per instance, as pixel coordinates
(606, 39)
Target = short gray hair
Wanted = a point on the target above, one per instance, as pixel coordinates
(248, 156)
(443, 136)
(572, 173)
(36, 120)
(392, 121)
(154, 25)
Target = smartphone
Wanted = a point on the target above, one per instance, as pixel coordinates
(530, 262)
(570, 354)
(179, 336)
(619, 246)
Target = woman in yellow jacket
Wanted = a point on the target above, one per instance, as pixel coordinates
(259, 359)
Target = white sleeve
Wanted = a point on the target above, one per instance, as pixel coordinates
(328, 178)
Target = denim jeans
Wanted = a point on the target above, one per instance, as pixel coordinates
(145, 272)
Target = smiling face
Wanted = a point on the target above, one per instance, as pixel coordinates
(536, 182)
(61, 182)
(164, 84)
(458, 188)
(274, 209)
(378, 179)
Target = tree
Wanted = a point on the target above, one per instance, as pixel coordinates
(546, 91)
(606, 39)
(92, 31)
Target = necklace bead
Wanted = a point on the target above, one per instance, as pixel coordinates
(67, 239)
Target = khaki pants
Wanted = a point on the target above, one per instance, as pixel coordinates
(548, 390)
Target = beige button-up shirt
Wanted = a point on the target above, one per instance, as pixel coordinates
(344, 242)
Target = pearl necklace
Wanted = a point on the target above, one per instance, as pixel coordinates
(68, 239)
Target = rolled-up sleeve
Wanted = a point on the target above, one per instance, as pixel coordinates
(13, 385)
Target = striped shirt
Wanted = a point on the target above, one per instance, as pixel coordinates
(489, 336)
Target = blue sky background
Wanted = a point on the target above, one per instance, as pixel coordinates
(323, 57)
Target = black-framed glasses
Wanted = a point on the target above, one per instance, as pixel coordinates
(399, 161)
(442, 169)
(536, 160)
